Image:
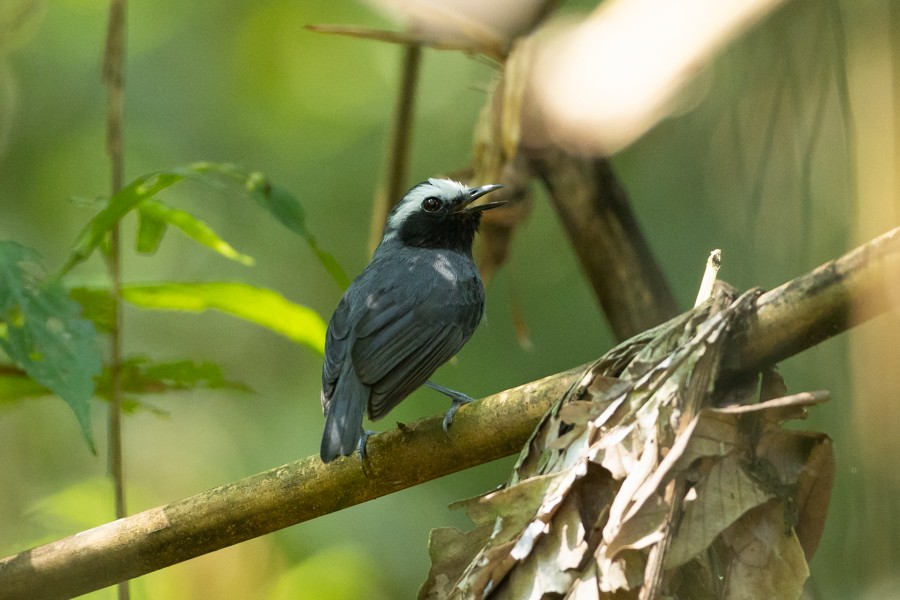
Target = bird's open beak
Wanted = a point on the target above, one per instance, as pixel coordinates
(475, 194)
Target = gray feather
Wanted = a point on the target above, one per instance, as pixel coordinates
(343, 420)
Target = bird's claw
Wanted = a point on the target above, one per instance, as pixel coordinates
(458, 399)
(451, 412)
(364, 435)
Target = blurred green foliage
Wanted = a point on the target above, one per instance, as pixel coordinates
(758, 164)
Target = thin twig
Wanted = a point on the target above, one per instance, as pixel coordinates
(113, 68)
(399, 151)
(791, 318)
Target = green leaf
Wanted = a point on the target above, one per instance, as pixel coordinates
(257, 305)
(157, 215)
(290, 213)
(151, 231)
(277, 201)
(42, 332)
(15, 385)
(282, 205)
(187, 374)
(119, 205)
(140, 375)
(97, 306)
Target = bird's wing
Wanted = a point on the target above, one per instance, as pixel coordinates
(400, 340)
(337, 343)
(411, 373)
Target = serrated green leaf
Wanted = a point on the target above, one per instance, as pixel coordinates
(187, 374)
(14, 258)
(282, 205)
(156, 211)
(141, 375)
(45, 335)
(257, 305)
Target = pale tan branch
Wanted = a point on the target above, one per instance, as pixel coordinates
(484, 431)
(795, 316)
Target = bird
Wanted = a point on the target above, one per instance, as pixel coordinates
(410, 310)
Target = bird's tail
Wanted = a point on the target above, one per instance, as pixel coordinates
(344, 417)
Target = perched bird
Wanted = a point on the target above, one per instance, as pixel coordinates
(406, 314)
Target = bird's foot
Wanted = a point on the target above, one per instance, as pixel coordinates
(448, 416)
(364, 435)
(458, 399)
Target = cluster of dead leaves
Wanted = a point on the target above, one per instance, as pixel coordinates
(653, 478)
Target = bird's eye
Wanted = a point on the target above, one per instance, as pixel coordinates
(431, 204)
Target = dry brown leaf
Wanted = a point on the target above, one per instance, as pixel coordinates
(450, 551)
(633, 474)
(552, 566)
(717, 501)
(493, 163)
(813, 494)
(585, 587)
(519, 501)
(768, 561)
(804, 462)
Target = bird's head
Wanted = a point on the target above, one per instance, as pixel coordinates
(439, 213)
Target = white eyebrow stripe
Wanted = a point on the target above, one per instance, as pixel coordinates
(408, 205)
(443, 188)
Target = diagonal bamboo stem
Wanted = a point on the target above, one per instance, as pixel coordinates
(840, 294)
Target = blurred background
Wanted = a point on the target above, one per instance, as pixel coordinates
(782, 153)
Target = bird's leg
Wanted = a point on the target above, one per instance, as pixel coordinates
(458, 399)
(364, 435)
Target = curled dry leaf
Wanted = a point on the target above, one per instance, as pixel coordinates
(640, 479)
(496, 160)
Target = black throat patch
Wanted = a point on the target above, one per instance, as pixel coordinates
(451, 231)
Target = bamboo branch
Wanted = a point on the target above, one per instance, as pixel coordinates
(791, 318)
(829, 300)
(280, 497)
